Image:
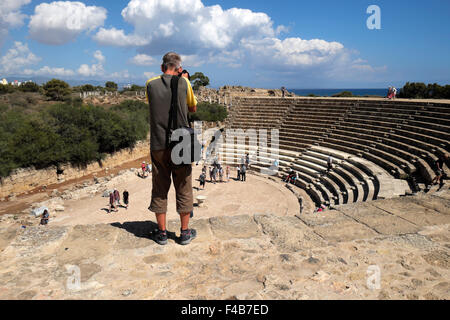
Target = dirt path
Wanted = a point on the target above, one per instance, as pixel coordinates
(39, 194)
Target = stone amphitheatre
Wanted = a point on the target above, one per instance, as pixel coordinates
(255, 241)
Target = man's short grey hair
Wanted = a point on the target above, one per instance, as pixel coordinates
(171, 60)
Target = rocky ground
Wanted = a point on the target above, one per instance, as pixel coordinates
(332, 255)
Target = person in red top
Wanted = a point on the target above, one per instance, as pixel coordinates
(144, 169)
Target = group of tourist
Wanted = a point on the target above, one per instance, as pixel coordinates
(291, 177)
(114, 200)
(392, 93)
(242, 168)
(145, 170)
(217, 173)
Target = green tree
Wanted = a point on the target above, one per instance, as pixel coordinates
(6, 89)
(87, 88)
(68, 132)
(111, 86)
(199, 80)
(414, 90)
(29, 87)
(209, 112)
(57, 89)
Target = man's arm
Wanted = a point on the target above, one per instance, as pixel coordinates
(190, 97)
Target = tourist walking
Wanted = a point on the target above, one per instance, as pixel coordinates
(126, 197)
(159, 94)
(112, 206)
(228, 173)
(214, 174)
(221, 174)
(116, 198)
(389, 94)
(202, 180)
(244, 173)
(247, 160)
(238, 173)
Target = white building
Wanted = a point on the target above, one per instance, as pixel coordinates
(4, 82)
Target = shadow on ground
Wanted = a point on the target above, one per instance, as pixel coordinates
(143, 229)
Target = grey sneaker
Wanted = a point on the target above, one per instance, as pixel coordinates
(187, 236)
(160, 237)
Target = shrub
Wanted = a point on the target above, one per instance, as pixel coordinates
(111, 86)
(87, 88)
(4, 89)
(419, 90)
(57, 89)
(209, 112)
(29, 87)
(69, 132)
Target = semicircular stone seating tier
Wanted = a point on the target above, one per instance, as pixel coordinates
(377, 145)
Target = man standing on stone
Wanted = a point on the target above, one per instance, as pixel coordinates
(159, 95)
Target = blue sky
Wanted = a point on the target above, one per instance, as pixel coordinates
(298, 44)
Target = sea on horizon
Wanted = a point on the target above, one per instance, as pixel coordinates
(330, 92)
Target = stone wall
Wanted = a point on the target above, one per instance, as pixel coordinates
(25, 180)
(226, 95)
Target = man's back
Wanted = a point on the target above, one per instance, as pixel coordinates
(159, 95)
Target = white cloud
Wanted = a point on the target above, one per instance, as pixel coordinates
(17, 57)
(188, 23)
(292, 52)
(281, 29)
(95, 69)
(99, 56)
(49, 71)
(192, 61)
(211, 35)
(11, 16)
(120, 75)
(114, 37)
(60, 22)
(143, 60)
